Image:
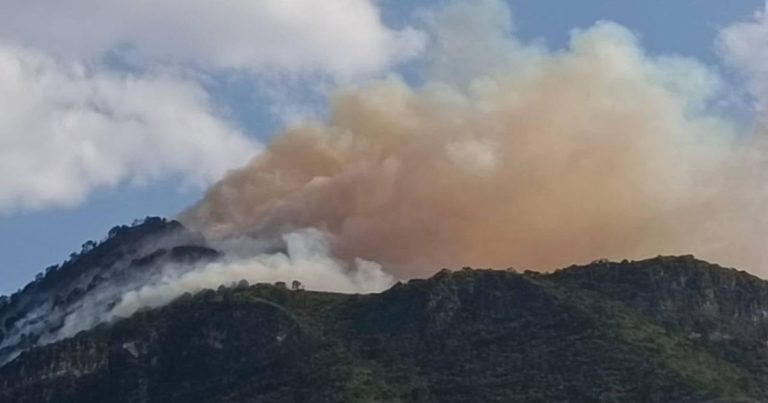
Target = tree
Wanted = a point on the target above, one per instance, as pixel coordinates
(88, 246)
(296, 285)
(116, 230)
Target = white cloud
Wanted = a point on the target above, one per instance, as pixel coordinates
(66, 129)
(71, 123)
(744, 45)
(342, 38)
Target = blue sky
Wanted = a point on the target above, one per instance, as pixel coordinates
(247, 102)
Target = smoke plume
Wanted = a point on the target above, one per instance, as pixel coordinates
(304, 258)
(512, 155)
(507, 154)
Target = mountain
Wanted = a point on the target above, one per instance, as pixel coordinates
(668, 329)
(52, 306)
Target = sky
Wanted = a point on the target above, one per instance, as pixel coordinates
(116, 110)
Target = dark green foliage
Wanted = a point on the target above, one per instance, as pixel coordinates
(661, 330)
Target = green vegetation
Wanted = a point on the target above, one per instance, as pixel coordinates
(661, 330)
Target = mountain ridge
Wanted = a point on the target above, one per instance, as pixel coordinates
(661, 329)
(402, 333)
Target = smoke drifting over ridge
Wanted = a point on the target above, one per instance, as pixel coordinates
(128, 276)
(512, 155)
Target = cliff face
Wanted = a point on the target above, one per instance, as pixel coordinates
(665, 329)
(708, 301)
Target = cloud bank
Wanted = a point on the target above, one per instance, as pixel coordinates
(67, 129)
(75, 119)
(341, 38)
(744, 46)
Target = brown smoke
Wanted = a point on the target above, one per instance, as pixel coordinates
(553, 158)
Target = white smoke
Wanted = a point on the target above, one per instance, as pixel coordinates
(306, 259)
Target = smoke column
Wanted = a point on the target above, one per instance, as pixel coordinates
(512, 155)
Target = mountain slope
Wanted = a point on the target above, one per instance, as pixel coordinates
(90, 282)
(665, 329)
